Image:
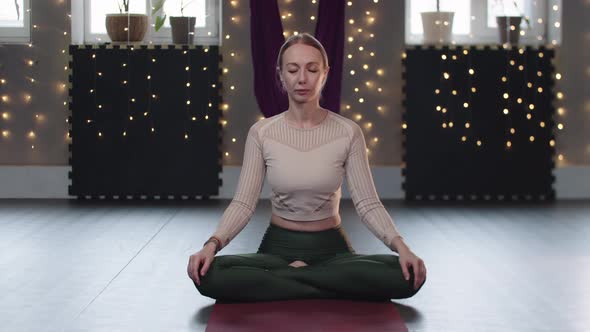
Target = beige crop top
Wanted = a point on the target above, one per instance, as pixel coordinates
(305, 168)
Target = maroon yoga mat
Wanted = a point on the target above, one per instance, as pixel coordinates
(306, 315)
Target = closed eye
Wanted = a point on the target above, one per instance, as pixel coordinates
(293, 72)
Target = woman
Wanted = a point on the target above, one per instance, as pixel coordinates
(305, 152)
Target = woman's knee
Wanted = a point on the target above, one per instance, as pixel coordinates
(212, 281)
(409, 289)
(403, 288)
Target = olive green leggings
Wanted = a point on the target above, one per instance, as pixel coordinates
(334, 271)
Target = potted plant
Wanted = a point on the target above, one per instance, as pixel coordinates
(438, 26)
(124, 26)
(183, 27)
(509, 21)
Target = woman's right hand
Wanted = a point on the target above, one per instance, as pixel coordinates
(200, 261)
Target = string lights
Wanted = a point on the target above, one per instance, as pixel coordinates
(362, 74)
(26, 98)
(516, 62)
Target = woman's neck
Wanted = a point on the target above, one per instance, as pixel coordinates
(305, 115)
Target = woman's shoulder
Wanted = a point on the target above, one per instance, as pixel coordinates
(351, 126)
(262, 123)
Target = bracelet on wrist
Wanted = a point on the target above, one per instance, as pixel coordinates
(215, 240)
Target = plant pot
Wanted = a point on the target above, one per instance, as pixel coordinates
(507, 33)
(438, 27)
(126, 27)
(183, 29)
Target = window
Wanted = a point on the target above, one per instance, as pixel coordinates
(207, 13)
(474, 21)
(15, 21)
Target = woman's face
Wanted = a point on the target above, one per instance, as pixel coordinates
(303, 73)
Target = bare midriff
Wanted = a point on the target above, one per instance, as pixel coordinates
(306, 226)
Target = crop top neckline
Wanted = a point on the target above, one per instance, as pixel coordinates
(306, 129)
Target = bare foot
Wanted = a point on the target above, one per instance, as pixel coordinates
(298, 264)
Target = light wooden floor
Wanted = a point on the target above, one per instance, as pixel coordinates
(80, 266)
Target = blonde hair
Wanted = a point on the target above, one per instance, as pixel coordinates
(302, 38)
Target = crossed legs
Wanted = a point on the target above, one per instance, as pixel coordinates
(266, 277)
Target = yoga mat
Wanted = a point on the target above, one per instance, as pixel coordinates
(306, 315)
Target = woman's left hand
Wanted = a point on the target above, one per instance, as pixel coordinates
(408, 259)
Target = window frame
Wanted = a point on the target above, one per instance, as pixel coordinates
(164, 35)
(18, 35)
(480, 32)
